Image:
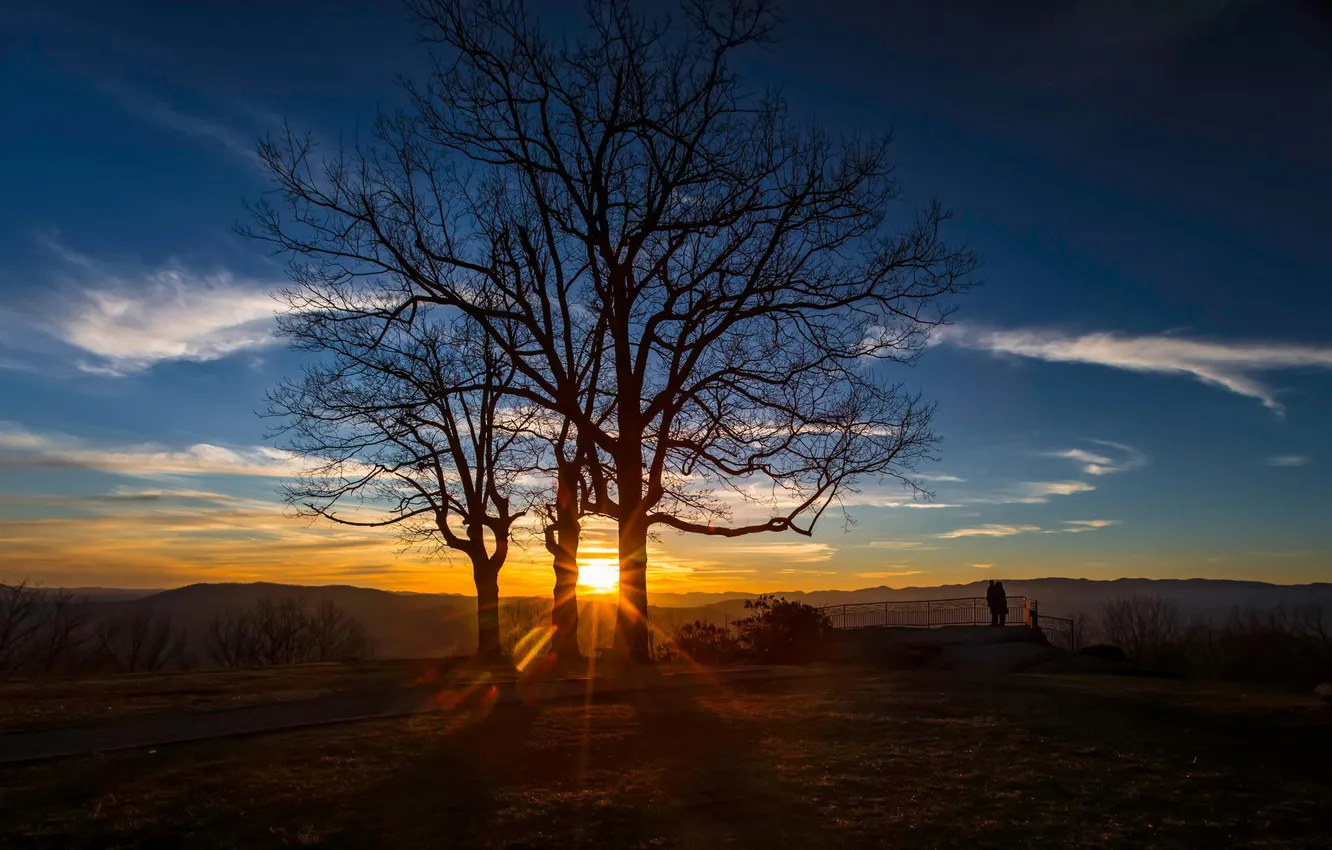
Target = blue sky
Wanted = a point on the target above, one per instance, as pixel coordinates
(1142, 387)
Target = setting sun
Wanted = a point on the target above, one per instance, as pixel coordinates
(600, 575)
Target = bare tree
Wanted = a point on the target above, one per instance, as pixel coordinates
(335, 635)
(62, 631)
(231, 640)
(141, 640)
(1148, 628)
(41, 631)
(406, 426)
(19, 625)
(700, 285)
(283, 631)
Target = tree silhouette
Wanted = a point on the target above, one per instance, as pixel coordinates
(405, 425)
(699, 284)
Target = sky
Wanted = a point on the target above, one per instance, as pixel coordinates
(1142, 386)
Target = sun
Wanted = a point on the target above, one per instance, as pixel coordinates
(599, 575)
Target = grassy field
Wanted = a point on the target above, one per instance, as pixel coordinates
(30, 705)
(849, 760)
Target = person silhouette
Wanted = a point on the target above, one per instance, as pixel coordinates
(990, 600)
(1000, 604)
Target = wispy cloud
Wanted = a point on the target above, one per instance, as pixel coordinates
(1122, 458)
(870, 498)
(22, 448)
(938, 476)
(156, 111)
(889, 574)
(1076, 525)
(989, 530)
(1039, 492)
(1229, 365)
(1288, 460)
(790, 551)
(913, 545)
(983, 566)
(996, 530)
(127, 321)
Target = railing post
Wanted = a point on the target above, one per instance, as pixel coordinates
(929, 620)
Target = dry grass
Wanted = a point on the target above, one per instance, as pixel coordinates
(890, 760)
(47, 703)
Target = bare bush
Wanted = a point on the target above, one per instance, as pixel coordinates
(19, 624)
(335, 635)
(62, 633)
(42, 632)
(1275, 645)
(1290, 645)
(283, 631)
(1148, 628)
(141, 640)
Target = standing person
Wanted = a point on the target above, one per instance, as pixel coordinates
(990, 597)
(1000, 604)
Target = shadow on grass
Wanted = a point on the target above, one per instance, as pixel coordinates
(653, 768)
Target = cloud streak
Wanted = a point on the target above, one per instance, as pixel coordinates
(1072, 526)
(1076, 525)
(155, 111)
(988, 530)
(1288, 460)
(22, 448)
(791, 552)
(1229, 365)
(1122, 459)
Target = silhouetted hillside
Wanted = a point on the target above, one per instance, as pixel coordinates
(399, 624)
(1060, 597)
(405, 625)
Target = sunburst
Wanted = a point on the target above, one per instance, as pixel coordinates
(599, 575)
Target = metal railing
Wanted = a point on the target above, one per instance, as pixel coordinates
(1059, 631)
(963, 611)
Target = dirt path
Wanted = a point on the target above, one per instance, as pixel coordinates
(149, 730)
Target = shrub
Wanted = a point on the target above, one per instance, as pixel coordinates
(782, 632)
(702, 643)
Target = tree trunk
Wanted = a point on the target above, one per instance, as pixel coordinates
(487, 612)
(631, 625)
(564, 614)
(562, 539)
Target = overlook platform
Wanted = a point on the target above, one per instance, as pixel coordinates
(967, 611)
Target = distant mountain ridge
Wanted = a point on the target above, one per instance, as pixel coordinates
(420, 625)
(1057, 596)
(1064, 597)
